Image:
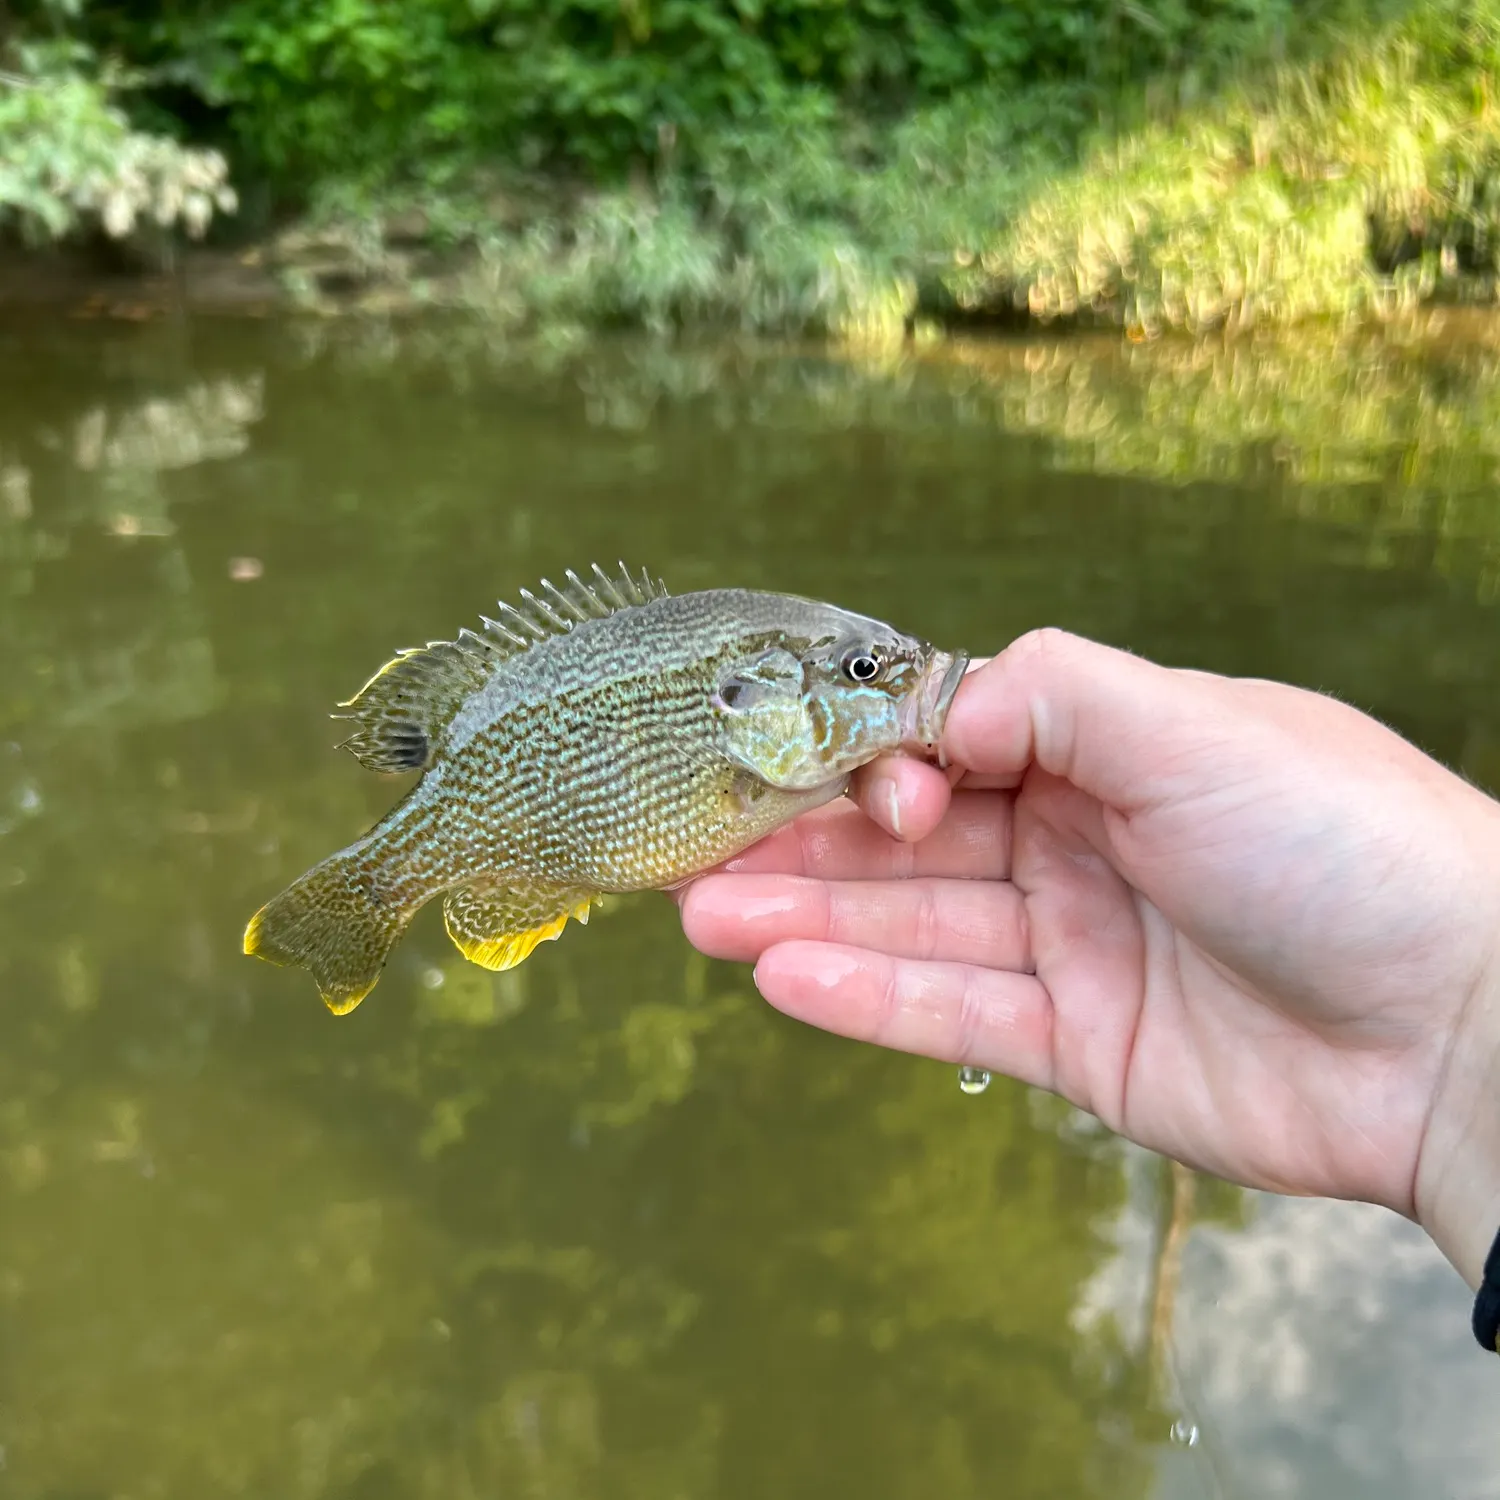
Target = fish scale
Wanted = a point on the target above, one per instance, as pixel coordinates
(601, 737)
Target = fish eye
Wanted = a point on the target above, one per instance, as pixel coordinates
(860, 665)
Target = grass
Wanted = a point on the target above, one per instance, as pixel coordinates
(1361, 183)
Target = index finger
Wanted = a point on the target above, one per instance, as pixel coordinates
(838, 842)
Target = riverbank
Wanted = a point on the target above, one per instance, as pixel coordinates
(1356, 186)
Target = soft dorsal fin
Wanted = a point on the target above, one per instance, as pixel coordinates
(404, 708)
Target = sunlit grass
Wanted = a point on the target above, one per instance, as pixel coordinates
(1362, 182)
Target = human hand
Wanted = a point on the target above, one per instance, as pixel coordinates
(1243, 924)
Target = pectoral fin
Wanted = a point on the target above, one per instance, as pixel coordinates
(496, 927)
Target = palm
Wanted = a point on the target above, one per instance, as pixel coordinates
(1191, 967)
(1265, 947)
(1174, 1049)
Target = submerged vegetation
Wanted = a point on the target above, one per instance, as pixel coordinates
(790, 167)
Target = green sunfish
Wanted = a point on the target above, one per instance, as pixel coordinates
(602, 737)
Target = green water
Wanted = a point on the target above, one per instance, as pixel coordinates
(607, 1226)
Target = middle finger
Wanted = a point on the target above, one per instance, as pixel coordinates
(959, 921)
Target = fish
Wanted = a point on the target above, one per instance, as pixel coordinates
(600, 737)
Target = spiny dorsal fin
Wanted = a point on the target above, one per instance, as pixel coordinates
(557, 610)
(404, 708)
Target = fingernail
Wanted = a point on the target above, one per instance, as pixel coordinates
(892, 806)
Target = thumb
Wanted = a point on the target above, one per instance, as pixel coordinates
(1112, 724)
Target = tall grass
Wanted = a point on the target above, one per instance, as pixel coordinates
(1363, 180)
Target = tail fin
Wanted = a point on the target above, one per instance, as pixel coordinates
(326, 923)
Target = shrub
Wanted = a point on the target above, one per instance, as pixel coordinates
(69, 157)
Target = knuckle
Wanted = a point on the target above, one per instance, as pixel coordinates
(926, 921)
(829, 917)
(969, 1022)
(810, 845)
(888, 1004)
(1039, 647)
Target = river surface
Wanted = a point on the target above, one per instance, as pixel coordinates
(607, 1226)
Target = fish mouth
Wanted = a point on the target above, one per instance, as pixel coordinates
(926, 711)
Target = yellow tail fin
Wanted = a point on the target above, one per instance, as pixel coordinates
(325, 923)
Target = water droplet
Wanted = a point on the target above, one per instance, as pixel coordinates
(973, 1080)
(1184, 1433)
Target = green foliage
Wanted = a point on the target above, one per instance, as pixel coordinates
(810, 222)
(69, 156)
(801, 167)
(1356, 176)
(625, 262)
(360, 87)
(364, 85)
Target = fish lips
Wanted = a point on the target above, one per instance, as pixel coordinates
(926, 711)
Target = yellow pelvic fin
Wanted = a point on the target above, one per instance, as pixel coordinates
(497, 928)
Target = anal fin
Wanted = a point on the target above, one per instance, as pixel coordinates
(496, 926)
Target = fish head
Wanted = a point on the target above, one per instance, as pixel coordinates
(804, 710)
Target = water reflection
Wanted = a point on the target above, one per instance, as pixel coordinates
(1328, 1354)
(605, 1225)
